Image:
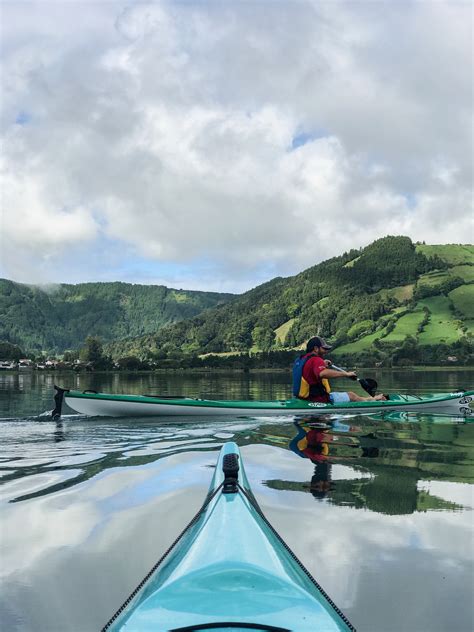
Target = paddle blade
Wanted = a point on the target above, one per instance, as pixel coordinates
(369, 385)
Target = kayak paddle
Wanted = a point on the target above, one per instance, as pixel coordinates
(369, 385)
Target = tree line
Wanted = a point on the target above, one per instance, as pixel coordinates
(343, 298)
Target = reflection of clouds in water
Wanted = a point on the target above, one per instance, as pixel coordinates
(79, 459)
(113, 527)
(338, 544)
(345, 473)
(285, 465)
(460, 493)
(343, 547)
(26, 485)
(109, 530)
(32, 530)
(156, 448)
(65, 518)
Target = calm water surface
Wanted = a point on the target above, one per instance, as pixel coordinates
(380, 510)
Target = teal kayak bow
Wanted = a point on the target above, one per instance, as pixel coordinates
(229, 570)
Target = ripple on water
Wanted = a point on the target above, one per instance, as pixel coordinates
(26, 486)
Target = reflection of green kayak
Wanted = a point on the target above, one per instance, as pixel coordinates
(229, 570)
(96, 404)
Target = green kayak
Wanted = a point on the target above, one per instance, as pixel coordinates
(229, 570)
(117, 405)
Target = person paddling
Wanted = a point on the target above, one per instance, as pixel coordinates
(311, 373)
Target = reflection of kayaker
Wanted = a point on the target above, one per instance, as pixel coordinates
(312, 441)
(317, 443)
(321, 483)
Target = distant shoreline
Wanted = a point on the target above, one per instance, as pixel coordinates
(401, 369)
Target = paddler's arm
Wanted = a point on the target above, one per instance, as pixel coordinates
(332, 373)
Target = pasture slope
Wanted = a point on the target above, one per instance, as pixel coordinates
(432, 313)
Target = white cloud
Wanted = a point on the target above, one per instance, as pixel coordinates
(169, 127)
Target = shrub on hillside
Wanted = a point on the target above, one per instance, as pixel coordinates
(360, 329)
(425, 290)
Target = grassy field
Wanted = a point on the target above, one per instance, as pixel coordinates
(282, 330)
(442, 327)
(465, 272)
(361, 345)
(469, 325)
(402, 292)
(432, 279)
(323, 301)
(350, 264)
(406, 325)
(463, 300)
(453, 254)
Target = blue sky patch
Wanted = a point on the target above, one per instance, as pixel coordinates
(22, 118)
(303, 138)
(411, 200)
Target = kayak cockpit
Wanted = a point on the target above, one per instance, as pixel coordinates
(229, 592)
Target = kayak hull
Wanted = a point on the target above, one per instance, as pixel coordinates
(101, 404)
(230, 568)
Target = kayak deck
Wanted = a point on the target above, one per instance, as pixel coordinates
(97, 404)
(229, 568)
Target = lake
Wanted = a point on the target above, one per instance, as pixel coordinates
(380, 512)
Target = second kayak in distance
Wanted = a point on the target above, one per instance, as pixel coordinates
(116, 405)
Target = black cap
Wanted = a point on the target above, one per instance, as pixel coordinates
(317, 342)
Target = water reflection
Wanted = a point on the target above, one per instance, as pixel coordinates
(59, 432)
(318, 442)
(46, 449)
(381, 466)
(379, 507)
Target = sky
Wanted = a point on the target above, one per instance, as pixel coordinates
(214, 145)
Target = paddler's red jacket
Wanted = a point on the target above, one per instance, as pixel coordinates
(311, 373)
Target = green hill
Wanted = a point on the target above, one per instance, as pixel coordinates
(391, 301)
(52, 319)
(370, 303)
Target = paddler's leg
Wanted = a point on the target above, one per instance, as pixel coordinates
(353, 397)
(339, 397)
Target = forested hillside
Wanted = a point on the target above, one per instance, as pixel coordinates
(370, 303)
(393, 301)
(41, 319)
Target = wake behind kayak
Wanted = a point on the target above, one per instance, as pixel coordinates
(229, 569)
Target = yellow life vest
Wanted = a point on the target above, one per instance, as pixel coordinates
(301, 387)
